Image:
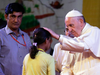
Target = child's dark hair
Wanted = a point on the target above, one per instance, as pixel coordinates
(39, 37)
(10, 8)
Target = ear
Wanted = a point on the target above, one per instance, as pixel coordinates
(6, 16)
(81, 22)
(46, 41)
(50, 39)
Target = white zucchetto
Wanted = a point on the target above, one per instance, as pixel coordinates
(73, 13)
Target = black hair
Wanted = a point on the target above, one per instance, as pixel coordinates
(83, 19)
(10, 8)
(39, 37)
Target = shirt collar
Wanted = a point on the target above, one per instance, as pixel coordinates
(8, 31)
(40, 49)
(86, 27)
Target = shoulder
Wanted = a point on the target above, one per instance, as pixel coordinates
(1, 31)
(22, 32)
(45, 55)
(57, 46)
(91, 28)
(26, 56)
(25, 34)
(44, 58)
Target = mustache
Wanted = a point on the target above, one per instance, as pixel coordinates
(73, 34)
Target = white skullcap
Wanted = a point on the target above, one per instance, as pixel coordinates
(73, 13)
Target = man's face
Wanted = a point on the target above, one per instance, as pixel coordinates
(73, 26)
(14, 20)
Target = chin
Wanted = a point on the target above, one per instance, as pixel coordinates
(14, 28)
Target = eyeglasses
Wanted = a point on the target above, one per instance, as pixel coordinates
(66, 30)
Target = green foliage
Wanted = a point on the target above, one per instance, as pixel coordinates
(28, 10)
(36, 6)
(24, 8)
(2, 15)
(28, 21)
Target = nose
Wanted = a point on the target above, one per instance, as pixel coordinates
(16, 19)
(69, 29)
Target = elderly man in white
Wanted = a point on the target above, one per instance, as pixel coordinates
(86, 43)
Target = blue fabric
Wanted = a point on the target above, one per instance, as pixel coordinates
(11, 52)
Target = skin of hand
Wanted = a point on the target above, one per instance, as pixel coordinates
(53, 34)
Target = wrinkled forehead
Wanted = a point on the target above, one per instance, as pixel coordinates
(67, 20)
(70, 19)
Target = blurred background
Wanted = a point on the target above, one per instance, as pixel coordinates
(51, 13)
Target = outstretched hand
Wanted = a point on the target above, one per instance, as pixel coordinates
(53, 34)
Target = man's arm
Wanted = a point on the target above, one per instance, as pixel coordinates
(68, 43)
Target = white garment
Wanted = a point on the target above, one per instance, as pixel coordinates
(62, 57)
(86, 62)
(88, 40)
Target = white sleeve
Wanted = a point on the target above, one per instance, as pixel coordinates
(72, 44)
